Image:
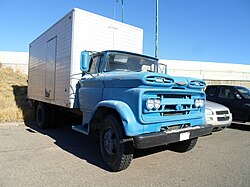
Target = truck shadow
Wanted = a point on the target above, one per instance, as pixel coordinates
(73, 142)
(20, 95)
(240, 126)
(82, 146)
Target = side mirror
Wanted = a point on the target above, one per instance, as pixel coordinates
(237, 96)
(85, 60)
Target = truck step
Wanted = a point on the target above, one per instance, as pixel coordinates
(81, 128)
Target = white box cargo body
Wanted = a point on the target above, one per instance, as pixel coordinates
(54, 57)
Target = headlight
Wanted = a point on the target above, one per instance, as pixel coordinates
(157, 103)
(199, 103)
(208, 111)
(150, 104)
(153, 104)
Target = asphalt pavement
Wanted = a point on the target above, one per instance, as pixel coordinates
(63, 157)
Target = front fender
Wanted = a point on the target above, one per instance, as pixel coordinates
(131, 126)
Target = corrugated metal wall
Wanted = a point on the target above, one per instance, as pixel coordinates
(62, 31)
(77, 31)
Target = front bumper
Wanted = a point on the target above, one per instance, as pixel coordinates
(166, 137)
(213, 120)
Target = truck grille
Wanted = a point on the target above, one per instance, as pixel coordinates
(222, 112)
(226, 118)
(175, 105)
(197, 84)
(223, 115)
(159, 79)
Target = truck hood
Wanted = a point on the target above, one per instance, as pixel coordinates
(136, 79)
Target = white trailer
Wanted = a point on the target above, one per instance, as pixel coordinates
(54, 57)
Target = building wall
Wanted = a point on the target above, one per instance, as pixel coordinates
(238, 83)
(211, 72)
(18, 61)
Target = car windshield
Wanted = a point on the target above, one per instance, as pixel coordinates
(130, 62)
(244, 91)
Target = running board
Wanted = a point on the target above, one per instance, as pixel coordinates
(81, 128)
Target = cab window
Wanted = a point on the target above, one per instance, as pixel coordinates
(95, 64)
(226, 93)
(210, 91)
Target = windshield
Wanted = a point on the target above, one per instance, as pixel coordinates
(244, 91)
(129, 62)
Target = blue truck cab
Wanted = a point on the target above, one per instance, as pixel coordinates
(123, 97)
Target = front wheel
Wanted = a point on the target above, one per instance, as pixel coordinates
(184, 146)
(116, 150)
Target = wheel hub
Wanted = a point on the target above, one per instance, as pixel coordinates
(109, 142)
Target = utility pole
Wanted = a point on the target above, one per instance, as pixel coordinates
(115, 9)
(156, 30)
(122, 11)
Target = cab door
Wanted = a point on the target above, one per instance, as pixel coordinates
(91, 91)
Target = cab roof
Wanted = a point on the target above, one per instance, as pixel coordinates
(130, 53)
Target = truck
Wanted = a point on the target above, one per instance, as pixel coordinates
(236, 98)
(122, 97)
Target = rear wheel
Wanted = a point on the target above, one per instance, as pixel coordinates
(116, 150)
(184, 146)
(42, 116)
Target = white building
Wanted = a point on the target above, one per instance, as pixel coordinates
(18, 61)
(211, 72)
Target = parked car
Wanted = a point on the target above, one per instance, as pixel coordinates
(236, 98)
(217, 115)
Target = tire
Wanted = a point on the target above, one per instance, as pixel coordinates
(184, 146)
(42, 116)
(116, 152)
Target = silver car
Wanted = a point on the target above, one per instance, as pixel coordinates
(218, 115)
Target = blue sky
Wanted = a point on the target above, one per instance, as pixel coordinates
(201, 30)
